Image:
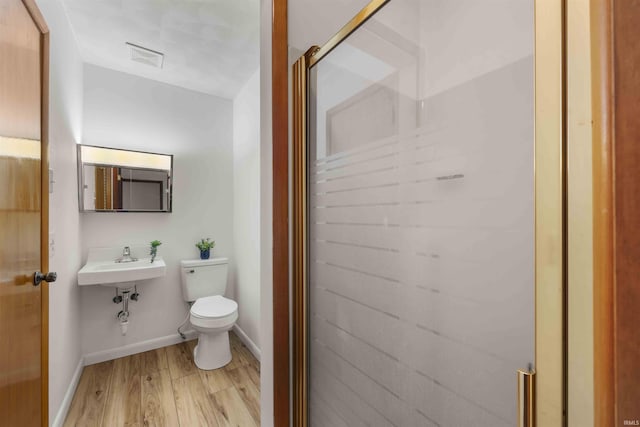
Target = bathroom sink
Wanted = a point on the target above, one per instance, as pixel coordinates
(108, 272)
(111, 273)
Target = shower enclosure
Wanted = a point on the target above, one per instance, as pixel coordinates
(416, 215)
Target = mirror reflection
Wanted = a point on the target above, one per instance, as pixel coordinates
(124, 181)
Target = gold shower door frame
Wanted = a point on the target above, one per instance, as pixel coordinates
(550, 213)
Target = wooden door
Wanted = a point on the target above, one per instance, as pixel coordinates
(23, 214)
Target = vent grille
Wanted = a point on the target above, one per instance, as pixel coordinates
(145, 56)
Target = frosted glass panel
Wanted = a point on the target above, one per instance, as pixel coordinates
(421, 217)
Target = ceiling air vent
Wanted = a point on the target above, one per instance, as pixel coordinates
(145, 56)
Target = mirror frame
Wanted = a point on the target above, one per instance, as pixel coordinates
(81, 188)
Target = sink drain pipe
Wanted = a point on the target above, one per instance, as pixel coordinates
(123, 315)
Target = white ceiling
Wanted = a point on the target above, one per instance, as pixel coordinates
(210, 46)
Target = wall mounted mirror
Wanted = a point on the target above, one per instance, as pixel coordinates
(114, 180)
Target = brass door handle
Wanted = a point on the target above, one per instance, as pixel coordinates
(526, 398)
(38, 277)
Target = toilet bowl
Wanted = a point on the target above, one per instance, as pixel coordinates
(212, 317)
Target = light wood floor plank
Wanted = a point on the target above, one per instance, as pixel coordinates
(254, 374)
(237, 359)
(180, 360)
(163, 387)
(247, 390)
(192, 402)
(154, 361)
(192, 344)
(158, 403)
(87, 406)
(124, 401)
(244, 354)
(233, 339)
(231, 410)
(251, 361)
(215, 380)
(237, 349)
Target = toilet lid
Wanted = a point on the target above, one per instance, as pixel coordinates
(213, 307)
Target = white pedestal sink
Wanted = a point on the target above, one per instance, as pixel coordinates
(102, 269)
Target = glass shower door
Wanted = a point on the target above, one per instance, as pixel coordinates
(421, 217)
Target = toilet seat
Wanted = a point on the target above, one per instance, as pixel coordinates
(214, 312)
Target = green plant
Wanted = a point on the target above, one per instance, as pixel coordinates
(153, 250)
(205, 244)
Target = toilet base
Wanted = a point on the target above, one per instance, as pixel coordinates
(213, 351)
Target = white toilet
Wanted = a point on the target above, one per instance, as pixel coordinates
(212, 315)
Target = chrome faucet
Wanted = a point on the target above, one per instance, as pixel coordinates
(126, 255)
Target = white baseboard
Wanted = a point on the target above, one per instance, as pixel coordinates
(58, 421)
(253, 348)
(138, 347)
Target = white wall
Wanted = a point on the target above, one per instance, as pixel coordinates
(266, 220)
(126, 111)
(246, 222)
(65, 128)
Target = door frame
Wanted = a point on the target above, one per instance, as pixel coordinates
(616, 181)
(40, 23)
(603, 212)
(280, 210)
(551, 223)
(551, 249)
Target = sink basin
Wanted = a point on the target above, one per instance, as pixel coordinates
(107, 272)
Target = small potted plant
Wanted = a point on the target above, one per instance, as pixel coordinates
(205, 246)
(153, 250)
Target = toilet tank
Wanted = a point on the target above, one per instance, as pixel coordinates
(203, 277)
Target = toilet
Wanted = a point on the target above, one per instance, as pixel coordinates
(211, 315)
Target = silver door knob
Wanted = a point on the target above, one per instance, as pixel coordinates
(38, 277)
